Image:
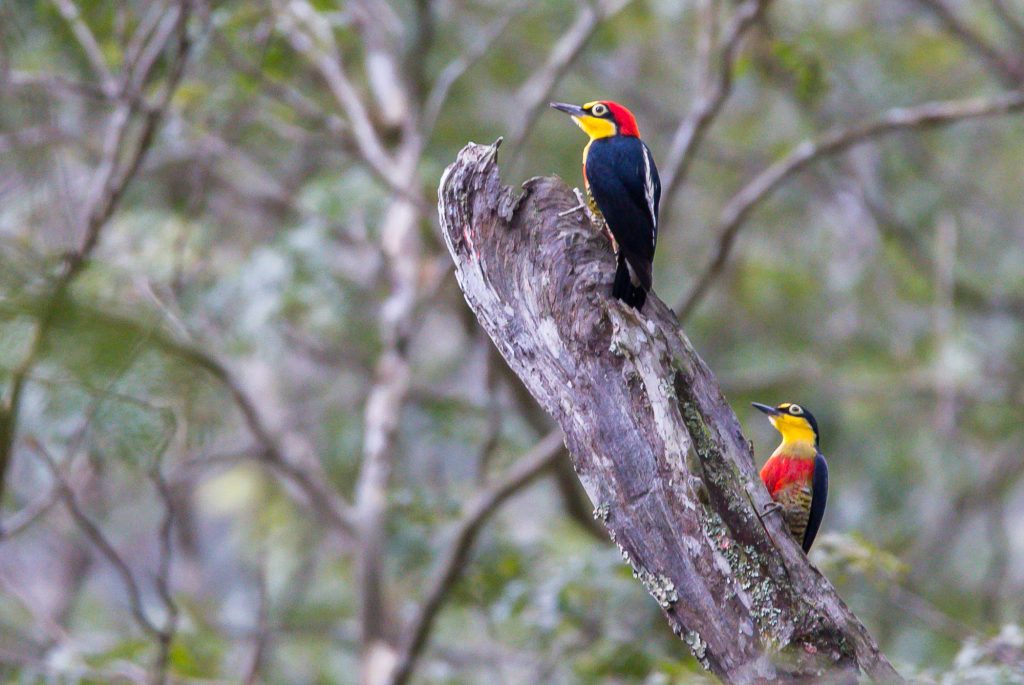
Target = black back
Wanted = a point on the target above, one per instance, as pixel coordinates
(617, 177)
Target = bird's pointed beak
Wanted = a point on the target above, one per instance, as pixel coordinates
(573, 110)
(770, 411)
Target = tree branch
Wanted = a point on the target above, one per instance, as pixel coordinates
(453, 559)
(119, 165)
(450, 75)
(532, 96)
(163, 575)
(714, 91)
(1008, 69)
(84, 35)
(100, 541)
(327, 504)
(311, 36)
(653, 440)
(735, 213)
(1011, 21)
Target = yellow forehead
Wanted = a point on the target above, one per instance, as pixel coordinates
(591, 104)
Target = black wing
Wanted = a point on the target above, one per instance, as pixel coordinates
(624, 182)
(819, 494)
(652, 189)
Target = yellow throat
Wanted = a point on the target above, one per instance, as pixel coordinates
(797, 436)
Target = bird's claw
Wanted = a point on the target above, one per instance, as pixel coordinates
(584, 206)
(772, 507)
(573, 210)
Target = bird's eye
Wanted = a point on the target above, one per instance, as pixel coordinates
(599, 110)
(795, 410)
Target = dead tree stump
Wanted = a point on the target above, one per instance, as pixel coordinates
(654, 441)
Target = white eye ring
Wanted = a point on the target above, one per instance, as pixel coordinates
(599, 110)
(795, 409)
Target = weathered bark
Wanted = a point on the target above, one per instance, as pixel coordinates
(654, 441)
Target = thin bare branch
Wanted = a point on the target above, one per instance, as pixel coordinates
(325, 502)
(261, 636)
(708, 39)
(575, 502)
(1008, 69)
(532, 96)
(25, 517)
(451, 74)
(32, 136)
(328, 504)
(715, 90)
(1010, 19)
(400, 246)
(99, 540)
(54, 83)
(141, 69)
(735, 213)
(163, 576)
(453, 560)
(282, 90)
(45, 620)
(140, 36)
(121, 160)
(311, 36)
(84, 35)
(120, 163)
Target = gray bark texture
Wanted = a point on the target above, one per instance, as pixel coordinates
(652, 438)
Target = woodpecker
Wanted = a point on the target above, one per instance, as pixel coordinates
(623, 190)
(796, 474)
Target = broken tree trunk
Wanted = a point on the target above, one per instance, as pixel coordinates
(654, 441)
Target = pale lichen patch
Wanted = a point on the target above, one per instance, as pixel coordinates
(758, 592)
(625, 555)
(698, 647)
(667, 388)
(660, 587)
(662, 399)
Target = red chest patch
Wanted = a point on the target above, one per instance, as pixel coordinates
(780, 471)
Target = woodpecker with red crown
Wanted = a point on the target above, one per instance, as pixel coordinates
(623, 189)
(796, 474)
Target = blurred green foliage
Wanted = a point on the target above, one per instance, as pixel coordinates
(252, 231)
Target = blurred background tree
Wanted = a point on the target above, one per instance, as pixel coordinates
(250, 432)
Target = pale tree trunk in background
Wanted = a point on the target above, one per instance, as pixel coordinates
(653, 440)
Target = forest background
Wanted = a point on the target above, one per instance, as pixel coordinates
(250, 431)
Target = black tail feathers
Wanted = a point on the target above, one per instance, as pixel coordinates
(623, 288)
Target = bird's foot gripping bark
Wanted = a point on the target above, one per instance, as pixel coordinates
(584, 206)
(771, 508)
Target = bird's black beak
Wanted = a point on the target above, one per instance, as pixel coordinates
(574, 110)
(770, 411)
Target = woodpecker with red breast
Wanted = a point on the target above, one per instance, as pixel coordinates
(623, 189)
(796, 474)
